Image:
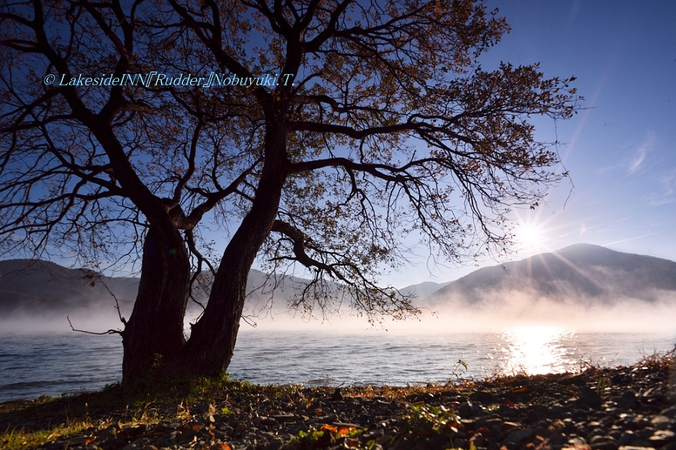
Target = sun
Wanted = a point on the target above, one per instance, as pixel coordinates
(532, 233)
(529, 235)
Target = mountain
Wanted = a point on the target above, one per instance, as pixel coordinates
(34, 286)
(581, 272)
(38, 288)
(422, 290)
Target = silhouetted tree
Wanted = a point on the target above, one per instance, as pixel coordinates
(332, 130)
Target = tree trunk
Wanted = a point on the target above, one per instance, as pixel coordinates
(212, 341)
(154, 332)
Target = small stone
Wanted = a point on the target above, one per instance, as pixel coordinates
(110, 432)
(641, 422)
(669, 412)
(517, 436)
(375, 434)
(478, 440)
(468, 424)
(662, 437)
(576, 442)
(629, 447)
(270, 421)
(482, 396)
(297, 428)
(630, 394)
(603, 443)
(458, 443)
(284, 417)
(596, 432)
(337, 395)
(276, 444)
(496, 431)
(509, 426)
(488, 423)
(662, 422)
(626, 438)
(132, 446)
(625, 403)
(465, 410)
(641, 443)
(78, 440)
(590, 399)
(55, 446)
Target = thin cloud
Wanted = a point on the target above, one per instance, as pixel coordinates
(628, 239)
(667, 191)
(641, 153)
(669, 185)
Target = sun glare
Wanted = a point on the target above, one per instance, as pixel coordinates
(529, 236)
(536, 349)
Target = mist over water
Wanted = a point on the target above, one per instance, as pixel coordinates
(35, 323)
(517, 334)
(513, 309)
(498, 311)
(52, 364)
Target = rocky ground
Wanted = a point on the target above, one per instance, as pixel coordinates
(604, 409)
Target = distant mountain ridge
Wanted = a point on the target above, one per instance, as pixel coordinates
(36, 287)
(32, 286)
(581, 272)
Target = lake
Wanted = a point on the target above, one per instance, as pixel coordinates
(52, 364)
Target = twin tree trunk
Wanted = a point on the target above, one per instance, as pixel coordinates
(154, 332)
(153, 336)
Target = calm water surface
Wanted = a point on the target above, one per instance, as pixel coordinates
(31, 366)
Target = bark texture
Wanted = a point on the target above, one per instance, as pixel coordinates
(154, 332)
(212, 341)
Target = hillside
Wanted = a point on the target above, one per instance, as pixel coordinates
(581, 272)
(41, 287)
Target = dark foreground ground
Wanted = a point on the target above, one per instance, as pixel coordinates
(605, 409)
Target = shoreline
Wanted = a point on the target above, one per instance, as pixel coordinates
(596, 409)
(89, 363)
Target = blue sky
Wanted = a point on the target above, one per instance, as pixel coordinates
(620, 151)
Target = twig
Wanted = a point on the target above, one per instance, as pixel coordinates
(92, 332)
(117, 303)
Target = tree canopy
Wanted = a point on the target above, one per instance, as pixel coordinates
(314, 133)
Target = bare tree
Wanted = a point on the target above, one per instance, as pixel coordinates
(329, 131)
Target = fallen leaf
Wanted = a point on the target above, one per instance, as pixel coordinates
(343, 431)
(330, 428)
(222, 446)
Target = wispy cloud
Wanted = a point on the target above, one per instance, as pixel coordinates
(669, 184)
(668, 191)
(641, 153)
(628, 239)
(584, 228)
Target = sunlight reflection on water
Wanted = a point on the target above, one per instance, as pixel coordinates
(538, 349)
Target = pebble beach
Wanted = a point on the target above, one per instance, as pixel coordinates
(627, 408)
